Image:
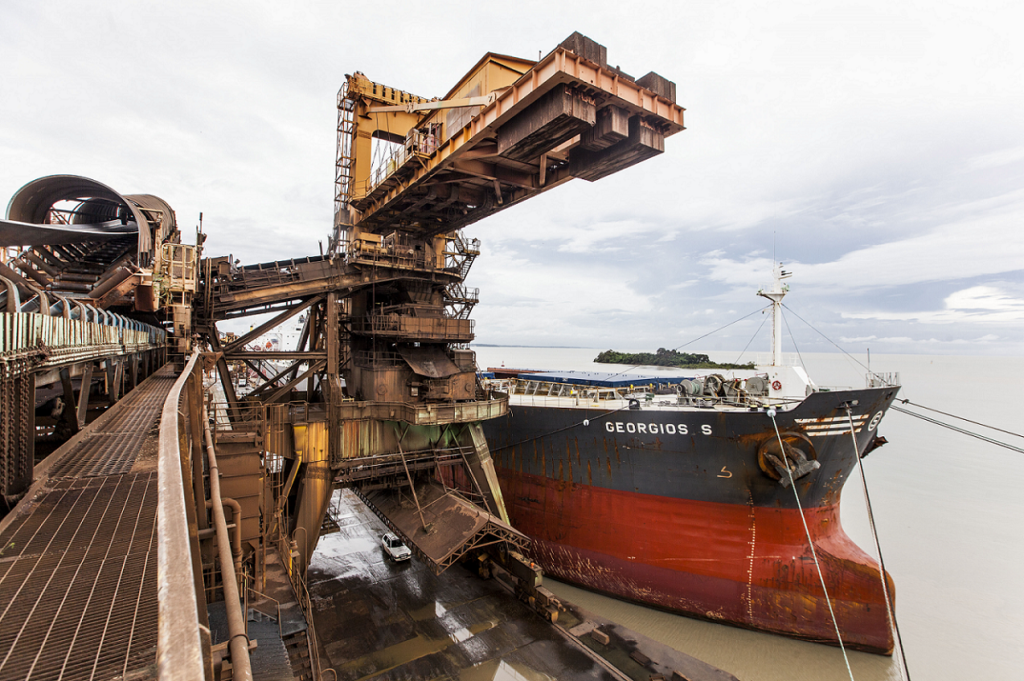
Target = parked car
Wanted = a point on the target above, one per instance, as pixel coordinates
(394, 547)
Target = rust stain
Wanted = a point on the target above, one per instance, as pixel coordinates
(754, 439)
(535, 451)
(561, 472)
(569, 459)
(590, 478)
(577, 441)
(618, 457)
(568, 451)
(605, 444)
(544, 463)
(608, 459)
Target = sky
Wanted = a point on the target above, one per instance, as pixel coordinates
(876, 148)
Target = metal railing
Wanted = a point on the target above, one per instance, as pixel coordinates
(180, 650)
(458, 330)
(298, 584)
(53, 341)
(428, 413)
(371, 359)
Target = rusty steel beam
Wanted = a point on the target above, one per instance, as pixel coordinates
(276, 321)
(304, 355)
(315, 367)
(271, 382)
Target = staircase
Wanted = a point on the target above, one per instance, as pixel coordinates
(297, 647)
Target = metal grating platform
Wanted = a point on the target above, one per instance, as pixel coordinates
(78, 582)
(78, 595)
(112, 449)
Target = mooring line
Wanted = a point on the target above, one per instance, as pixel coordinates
(904, 669)
(810, 542)
(962, 418)
(957, 429)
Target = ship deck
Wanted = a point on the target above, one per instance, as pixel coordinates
(666, 403)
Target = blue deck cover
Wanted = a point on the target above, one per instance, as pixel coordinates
(603, 379)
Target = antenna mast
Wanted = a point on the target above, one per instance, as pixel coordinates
(777, 292)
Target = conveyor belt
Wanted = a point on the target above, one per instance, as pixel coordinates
(78, 597)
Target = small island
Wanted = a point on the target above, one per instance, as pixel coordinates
(666, 358)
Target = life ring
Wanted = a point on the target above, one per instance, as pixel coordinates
(776, 385)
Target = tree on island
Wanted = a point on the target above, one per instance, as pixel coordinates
(666, 358)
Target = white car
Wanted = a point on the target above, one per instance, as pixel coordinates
(394, 547)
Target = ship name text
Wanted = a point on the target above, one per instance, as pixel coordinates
(653, 428)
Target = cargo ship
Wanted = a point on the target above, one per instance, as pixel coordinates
(676, 492)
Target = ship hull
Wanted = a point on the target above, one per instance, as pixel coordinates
(689, 522)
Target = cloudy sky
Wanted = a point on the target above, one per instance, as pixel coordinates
(876, 147)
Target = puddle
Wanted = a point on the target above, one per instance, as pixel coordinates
(429, 611)
(335, 547)
(386, 659)
(500, 670)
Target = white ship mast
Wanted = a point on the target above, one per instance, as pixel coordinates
(777, 292)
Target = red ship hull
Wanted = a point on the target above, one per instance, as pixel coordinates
(670, 506)
(745, 565)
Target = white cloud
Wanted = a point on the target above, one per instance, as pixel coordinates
(978, 304)
(879, 140)
(971, 247)
(995, 159)
(984, 298)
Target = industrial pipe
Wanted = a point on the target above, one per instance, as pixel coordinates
(239, 642)
(236, 517)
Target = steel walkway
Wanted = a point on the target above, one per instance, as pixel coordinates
(78, 587)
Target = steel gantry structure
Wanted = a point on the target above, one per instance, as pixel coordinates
(379, 389)
(382, 366)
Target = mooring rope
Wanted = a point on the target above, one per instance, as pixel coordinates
(963, 431)
(904, 670)
(810, 542)
(962, 418)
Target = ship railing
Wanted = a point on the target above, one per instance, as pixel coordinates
(882, 379)
(552, 394)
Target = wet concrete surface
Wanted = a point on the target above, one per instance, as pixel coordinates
(376, 619)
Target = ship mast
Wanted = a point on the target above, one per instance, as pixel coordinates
(777, 292)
